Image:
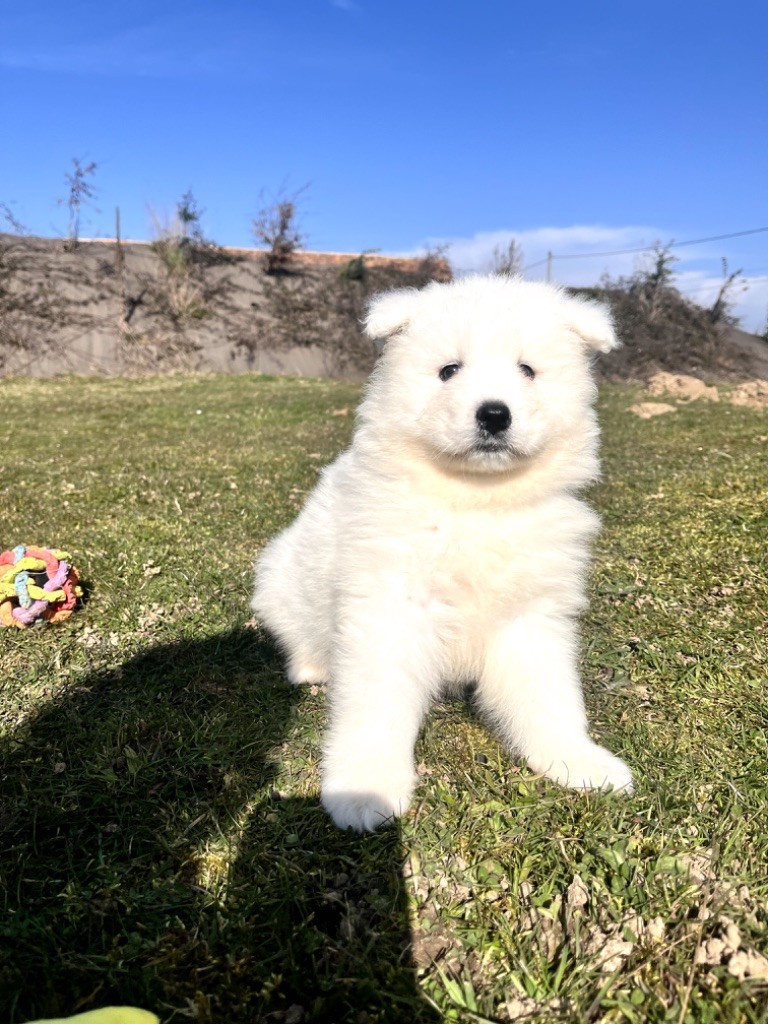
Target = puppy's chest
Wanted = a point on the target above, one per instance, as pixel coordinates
(478, 565)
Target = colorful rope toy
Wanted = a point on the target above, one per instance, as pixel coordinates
(37, 585)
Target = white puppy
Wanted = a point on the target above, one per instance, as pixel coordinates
(447, 544)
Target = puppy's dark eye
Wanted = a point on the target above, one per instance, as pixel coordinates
(527, 370)
(449, 370)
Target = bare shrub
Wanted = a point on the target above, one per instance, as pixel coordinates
(189, 216)
(507, 260)
(276, 229)
(721, 311)
(81, 193)
(434, 266)
(658, 325)
(357, 269)
(175, 294)
(12, 222)
(185, 290)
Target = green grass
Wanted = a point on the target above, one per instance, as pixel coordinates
(161, 842)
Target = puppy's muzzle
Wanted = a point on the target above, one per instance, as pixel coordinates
(493, 417)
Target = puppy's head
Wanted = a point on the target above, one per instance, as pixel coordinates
(485, 373)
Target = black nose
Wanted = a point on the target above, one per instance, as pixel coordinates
(493, 417)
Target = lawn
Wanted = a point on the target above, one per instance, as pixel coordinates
(161, 841)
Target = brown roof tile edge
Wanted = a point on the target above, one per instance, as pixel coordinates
(338, 259)
(442, 269)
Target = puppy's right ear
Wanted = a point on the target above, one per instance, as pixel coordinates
(388, 314)
(593, 323)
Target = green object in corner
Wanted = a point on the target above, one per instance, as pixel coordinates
(106, 1015)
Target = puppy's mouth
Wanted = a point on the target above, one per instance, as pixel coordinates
(492, 451)
(497, 443)
(492, 443)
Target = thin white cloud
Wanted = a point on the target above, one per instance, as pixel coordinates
(132, 54)
(210, 48)
(582, 240)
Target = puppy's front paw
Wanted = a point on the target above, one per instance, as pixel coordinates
(364, 812)
(363, 797)
(301, 672)
(591, 767)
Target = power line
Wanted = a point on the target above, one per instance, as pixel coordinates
(538, 263)
(645, 248)
(649, 248)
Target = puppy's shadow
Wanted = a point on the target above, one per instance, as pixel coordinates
(146, 859)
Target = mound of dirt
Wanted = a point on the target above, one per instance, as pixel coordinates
(685, 388)
(645, 410)
(681, 386)
(752, 393)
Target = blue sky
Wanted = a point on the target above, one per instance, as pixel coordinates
(574, 128)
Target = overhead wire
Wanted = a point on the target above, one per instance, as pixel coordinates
(645, 248)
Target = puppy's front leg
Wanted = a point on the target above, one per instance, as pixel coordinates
(384, 675)
(530, 686)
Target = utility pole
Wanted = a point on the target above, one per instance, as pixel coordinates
(549, 267)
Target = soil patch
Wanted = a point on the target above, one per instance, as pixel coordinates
(683, 387)
(752, 393)
(686, 388)
(645, 410)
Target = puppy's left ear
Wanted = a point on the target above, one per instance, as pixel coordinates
(390, 313)
(592, 322)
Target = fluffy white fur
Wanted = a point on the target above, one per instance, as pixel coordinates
(436, 551)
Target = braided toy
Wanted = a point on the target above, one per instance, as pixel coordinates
(37, 585)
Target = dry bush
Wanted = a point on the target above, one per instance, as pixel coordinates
(276, 229)
(81, 192)
(660, 327)
(721, 311)
(507, 260)
(184, 290)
